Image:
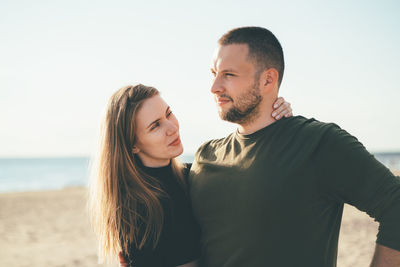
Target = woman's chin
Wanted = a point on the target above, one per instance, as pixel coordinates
(179, 151)
(175, 152)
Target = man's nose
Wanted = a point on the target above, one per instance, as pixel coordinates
(216, 86)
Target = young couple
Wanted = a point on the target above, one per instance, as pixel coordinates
(269, 194)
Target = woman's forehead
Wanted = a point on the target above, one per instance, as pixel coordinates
(151, 109)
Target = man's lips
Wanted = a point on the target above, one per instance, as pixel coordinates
(176, 142)
(222, 100)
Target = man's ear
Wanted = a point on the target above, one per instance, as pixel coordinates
(135, 150)
(269, 79)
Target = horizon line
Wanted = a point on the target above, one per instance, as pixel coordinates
(378, 152)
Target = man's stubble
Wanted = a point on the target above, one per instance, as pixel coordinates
(245, 108)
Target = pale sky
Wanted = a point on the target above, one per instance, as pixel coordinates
(61, 60)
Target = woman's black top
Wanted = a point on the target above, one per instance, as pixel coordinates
(179, 242)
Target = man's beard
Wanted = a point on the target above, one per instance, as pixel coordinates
(245, 108)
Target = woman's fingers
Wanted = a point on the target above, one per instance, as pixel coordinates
(279, 102)
(282, 114)
(283, 110)
(289, 114)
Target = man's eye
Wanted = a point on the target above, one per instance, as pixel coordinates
(169, 114)
(229, 74)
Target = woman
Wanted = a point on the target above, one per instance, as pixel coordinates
(138, 198)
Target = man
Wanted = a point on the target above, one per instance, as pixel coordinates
(272, 193)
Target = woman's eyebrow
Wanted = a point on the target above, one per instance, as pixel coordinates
(157, 120)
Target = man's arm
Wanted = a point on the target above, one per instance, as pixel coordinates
(350, 174)
(385, 257)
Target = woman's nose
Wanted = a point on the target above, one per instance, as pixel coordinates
(172, 128)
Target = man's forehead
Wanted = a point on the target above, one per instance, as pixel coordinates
(228, 55)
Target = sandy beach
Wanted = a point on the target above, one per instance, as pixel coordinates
(51, 228)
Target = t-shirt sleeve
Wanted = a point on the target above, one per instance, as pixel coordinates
(348, 173)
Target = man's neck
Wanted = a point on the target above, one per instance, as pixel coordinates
(263, 119)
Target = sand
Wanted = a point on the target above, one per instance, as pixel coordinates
(46, 229)
(51, 228)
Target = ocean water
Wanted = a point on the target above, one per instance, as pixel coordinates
(37, 174)
(19, 175)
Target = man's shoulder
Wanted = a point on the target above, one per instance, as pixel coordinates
(298, 125)
(310, 125)
(309, 122)
(309, 134)
(322, 135)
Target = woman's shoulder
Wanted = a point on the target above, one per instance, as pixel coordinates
(186, 169)
(187, 165)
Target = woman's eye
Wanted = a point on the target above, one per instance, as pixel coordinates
(155, 125)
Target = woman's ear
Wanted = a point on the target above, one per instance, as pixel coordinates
(135, 150)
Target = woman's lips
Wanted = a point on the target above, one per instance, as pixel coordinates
(176, 142)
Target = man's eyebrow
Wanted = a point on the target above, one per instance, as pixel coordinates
(223, 71)
(228, 70)
(157, 120)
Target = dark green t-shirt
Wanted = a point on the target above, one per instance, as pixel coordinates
(275, 197)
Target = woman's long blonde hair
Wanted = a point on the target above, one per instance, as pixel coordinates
(124, 203)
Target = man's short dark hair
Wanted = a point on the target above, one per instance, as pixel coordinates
(264, 48)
